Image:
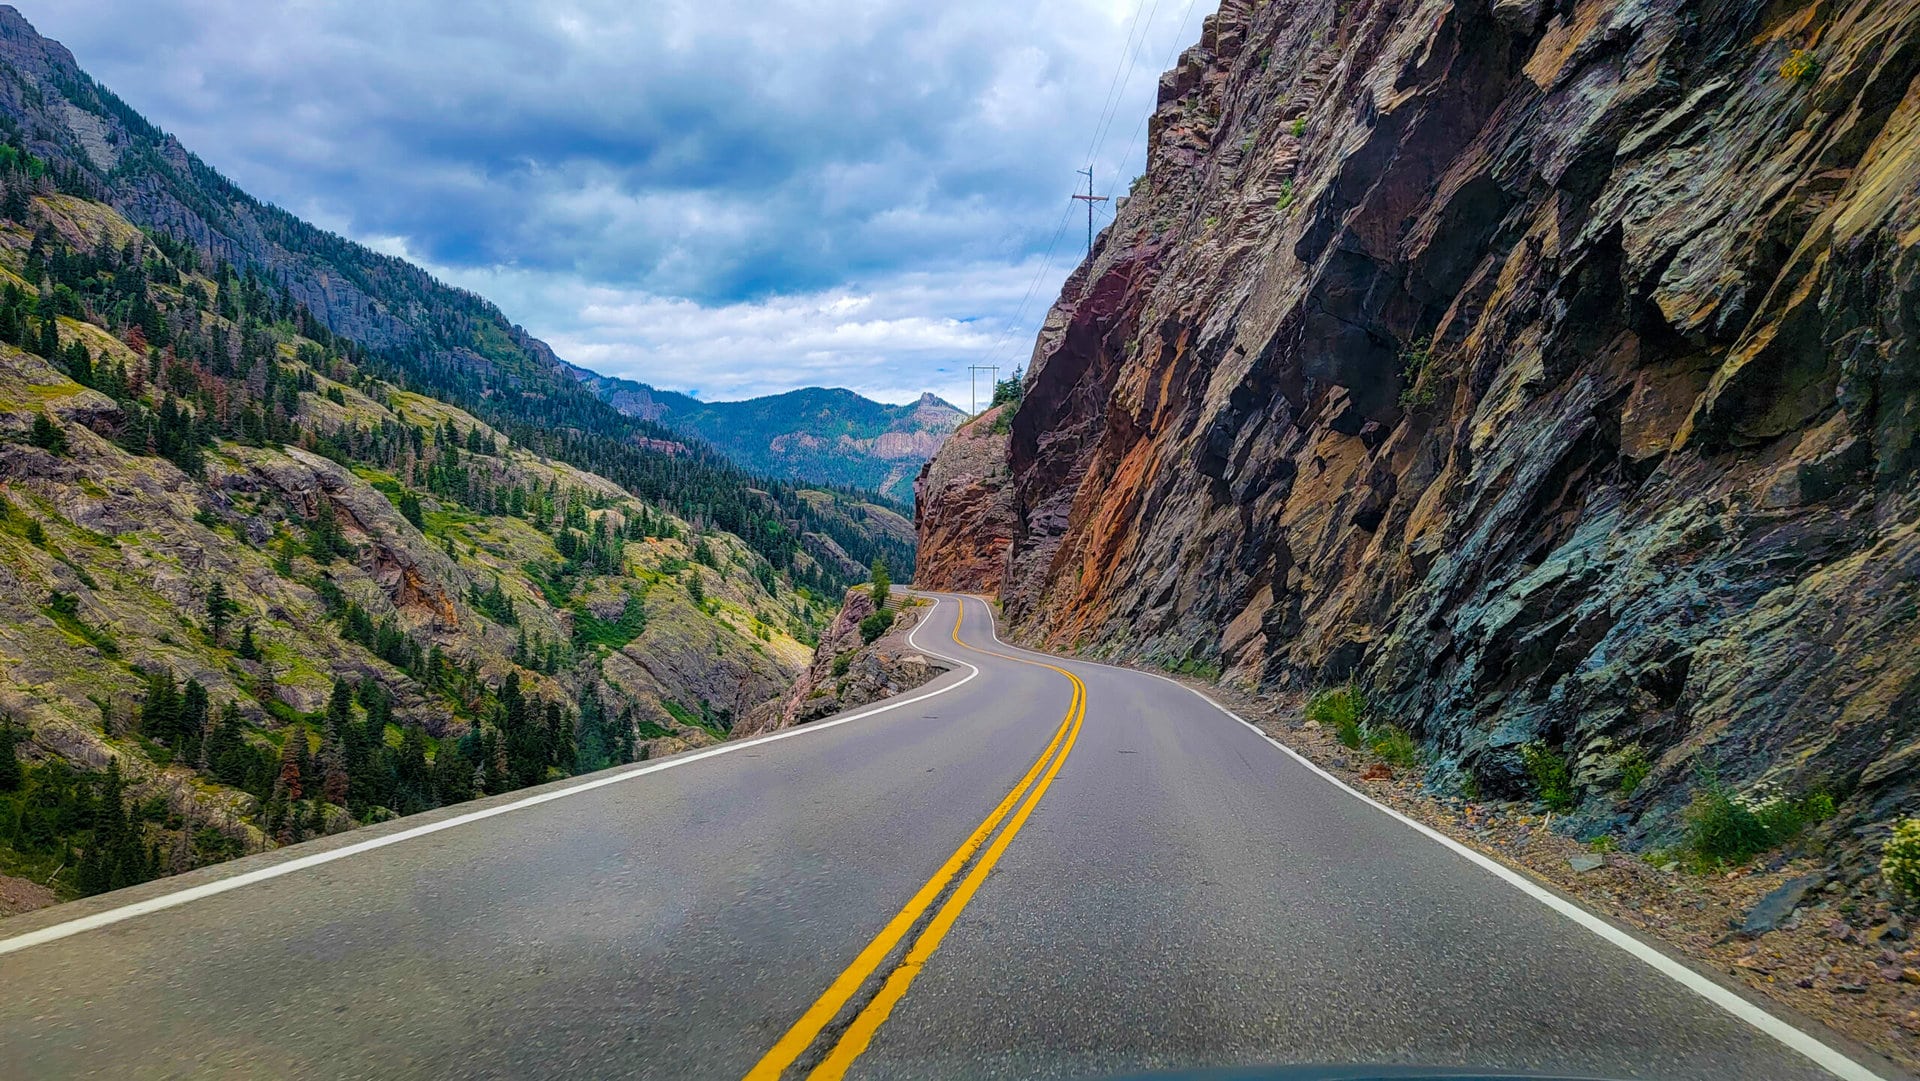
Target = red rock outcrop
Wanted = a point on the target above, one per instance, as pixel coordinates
(1552, 368)
(963, 509)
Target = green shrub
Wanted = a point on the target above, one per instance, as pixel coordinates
(1197, 667)
(47, 435)
(1724, 827)
(1392, 744)
(64, 610)
(1551, 777)
(1299, 127)
(1341, 709)
(1285, 198)
(1800, 66)
(1634, 768)
(1413, 364)
(876, 625)
(843, 662)
(1900, 860)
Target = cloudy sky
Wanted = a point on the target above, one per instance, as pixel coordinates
(726, 197)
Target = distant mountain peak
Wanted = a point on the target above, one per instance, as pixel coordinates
(826, 435)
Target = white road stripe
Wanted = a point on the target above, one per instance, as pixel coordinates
(165, 901)
(1820, 1054)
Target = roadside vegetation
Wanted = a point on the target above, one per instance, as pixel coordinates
(877, 624)
(1725, 828)
(1344, 710)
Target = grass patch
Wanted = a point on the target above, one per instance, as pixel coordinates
(1725, 828)
(1341, 709)
(1552, 779)
(1414, 360)
(692, 719)
(1800, 66)
(1634, 767)
(1196, 667)
(590, 630)
(445, 518)
(1393, 745)
(64, 610)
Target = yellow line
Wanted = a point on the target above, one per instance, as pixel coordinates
(808, 1028)
(858, 1035)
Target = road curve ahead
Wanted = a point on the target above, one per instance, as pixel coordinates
(1031, 867)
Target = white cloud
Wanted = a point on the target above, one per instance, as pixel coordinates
(727, 195)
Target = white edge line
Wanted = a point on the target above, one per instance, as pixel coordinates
(165, 901)
(1821, 1054)
(1826, 1057)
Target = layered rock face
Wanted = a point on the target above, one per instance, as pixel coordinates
(1551, 367)
(963, 509)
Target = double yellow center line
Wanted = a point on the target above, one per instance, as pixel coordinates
(857, 1033)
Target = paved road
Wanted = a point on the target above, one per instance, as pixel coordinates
(1155, 886)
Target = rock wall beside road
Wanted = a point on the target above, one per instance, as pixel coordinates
(1552, 369)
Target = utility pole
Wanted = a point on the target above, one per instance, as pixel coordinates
(973, 381)
(1091, 199)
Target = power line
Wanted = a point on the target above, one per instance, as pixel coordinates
(1129, 59)
(1179, 36)
(1046, 261)
(1091, 199)
(1105, 125)
(1127, 62)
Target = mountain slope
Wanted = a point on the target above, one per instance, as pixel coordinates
(812, 434)
(1550, 370)
(415, 331)
(260, 580)
(239, 538)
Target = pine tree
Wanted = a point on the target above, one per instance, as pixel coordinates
(10, 772)
(293, 753)
(340, 709)
(47, 435)
(248, 649)
(324, 539)
(160, 709)
(882, 583)
(219, 610)
(410, 509)
(194, 710)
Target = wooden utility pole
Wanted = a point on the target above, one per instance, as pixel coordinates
(973, 381)
(1091, 199)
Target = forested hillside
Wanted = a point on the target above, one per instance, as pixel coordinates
(255, 585)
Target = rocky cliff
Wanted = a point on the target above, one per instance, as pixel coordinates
(848, 670)
(963, 508)
(1552, 367)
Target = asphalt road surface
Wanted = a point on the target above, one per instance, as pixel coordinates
(1031, 867)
